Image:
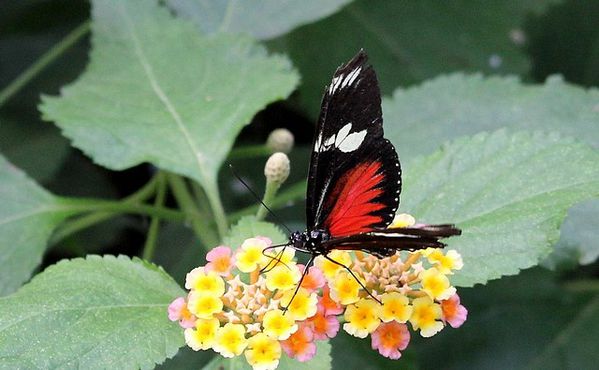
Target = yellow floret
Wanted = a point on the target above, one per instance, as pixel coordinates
(277, 325)
(198, 280)
(329, 268)
(204, 305)
(230, 340)
(202, 337)
(452, 260)
(263, 352)
(285, 257)
(396, 307)
(345, 289)
(402, 220)
(250, 257)
(362, 318)
(283, 277)
(436, 285)
(426, 316)
(303, 305)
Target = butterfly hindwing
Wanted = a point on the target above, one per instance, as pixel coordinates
(355, 176)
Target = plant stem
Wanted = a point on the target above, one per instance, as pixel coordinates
(586, 285)
(50, 56)
(250, 151)
(218, 210)
(269, 195)
(201, 200)
(78, 224)
(146, 191)
(150, 245)
(188, 205)
(83, 222)
(101, 205)
(292, 193)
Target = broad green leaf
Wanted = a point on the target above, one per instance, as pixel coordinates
(155, 90)
(38, 149)
(509, 192)
(249, 227)
(578, 244)
(321, 361)
(419, 119)
(28, 214)
(263, 19)
(522, 322)
(93, 313)
(410, 41)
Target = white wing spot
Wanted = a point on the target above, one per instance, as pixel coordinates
(351, 77)
(343, 140)
(318, 143)
(335, 84)
(342, 134)
(352, 141)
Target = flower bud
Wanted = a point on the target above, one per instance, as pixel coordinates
(280, 140)
(277, 168)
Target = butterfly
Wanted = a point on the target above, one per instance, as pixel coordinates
(354, 180)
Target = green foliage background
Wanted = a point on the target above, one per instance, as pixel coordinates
(116, 118)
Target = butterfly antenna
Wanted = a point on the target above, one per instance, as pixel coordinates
(354, 276)
(299, 284)
(258, 198)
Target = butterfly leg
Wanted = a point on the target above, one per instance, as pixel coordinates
(354, 276)
(299, 284)
(276, 257)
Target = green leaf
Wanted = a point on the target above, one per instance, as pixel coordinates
(522, 322)
(249, 227)
(508, 192)
(155, 90)
(263, 19)
(419, 119)
(578, 243)
(410, 41)
(98, 312)
(28, 215)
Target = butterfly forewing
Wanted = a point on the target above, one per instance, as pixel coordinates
(355, 176)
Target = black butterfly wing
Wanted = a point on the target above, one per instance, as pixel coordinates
(355, 176)
(385, 242)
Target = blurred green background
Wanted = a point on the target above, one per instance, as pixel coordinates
(516, 322)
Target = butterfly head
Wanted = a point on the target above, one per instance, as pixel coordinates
(309, 241)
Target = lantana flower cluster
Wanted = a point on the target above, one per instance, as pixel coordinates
(240, 302)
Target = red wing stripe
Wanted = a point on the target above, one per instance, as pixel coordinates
(353, 196)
